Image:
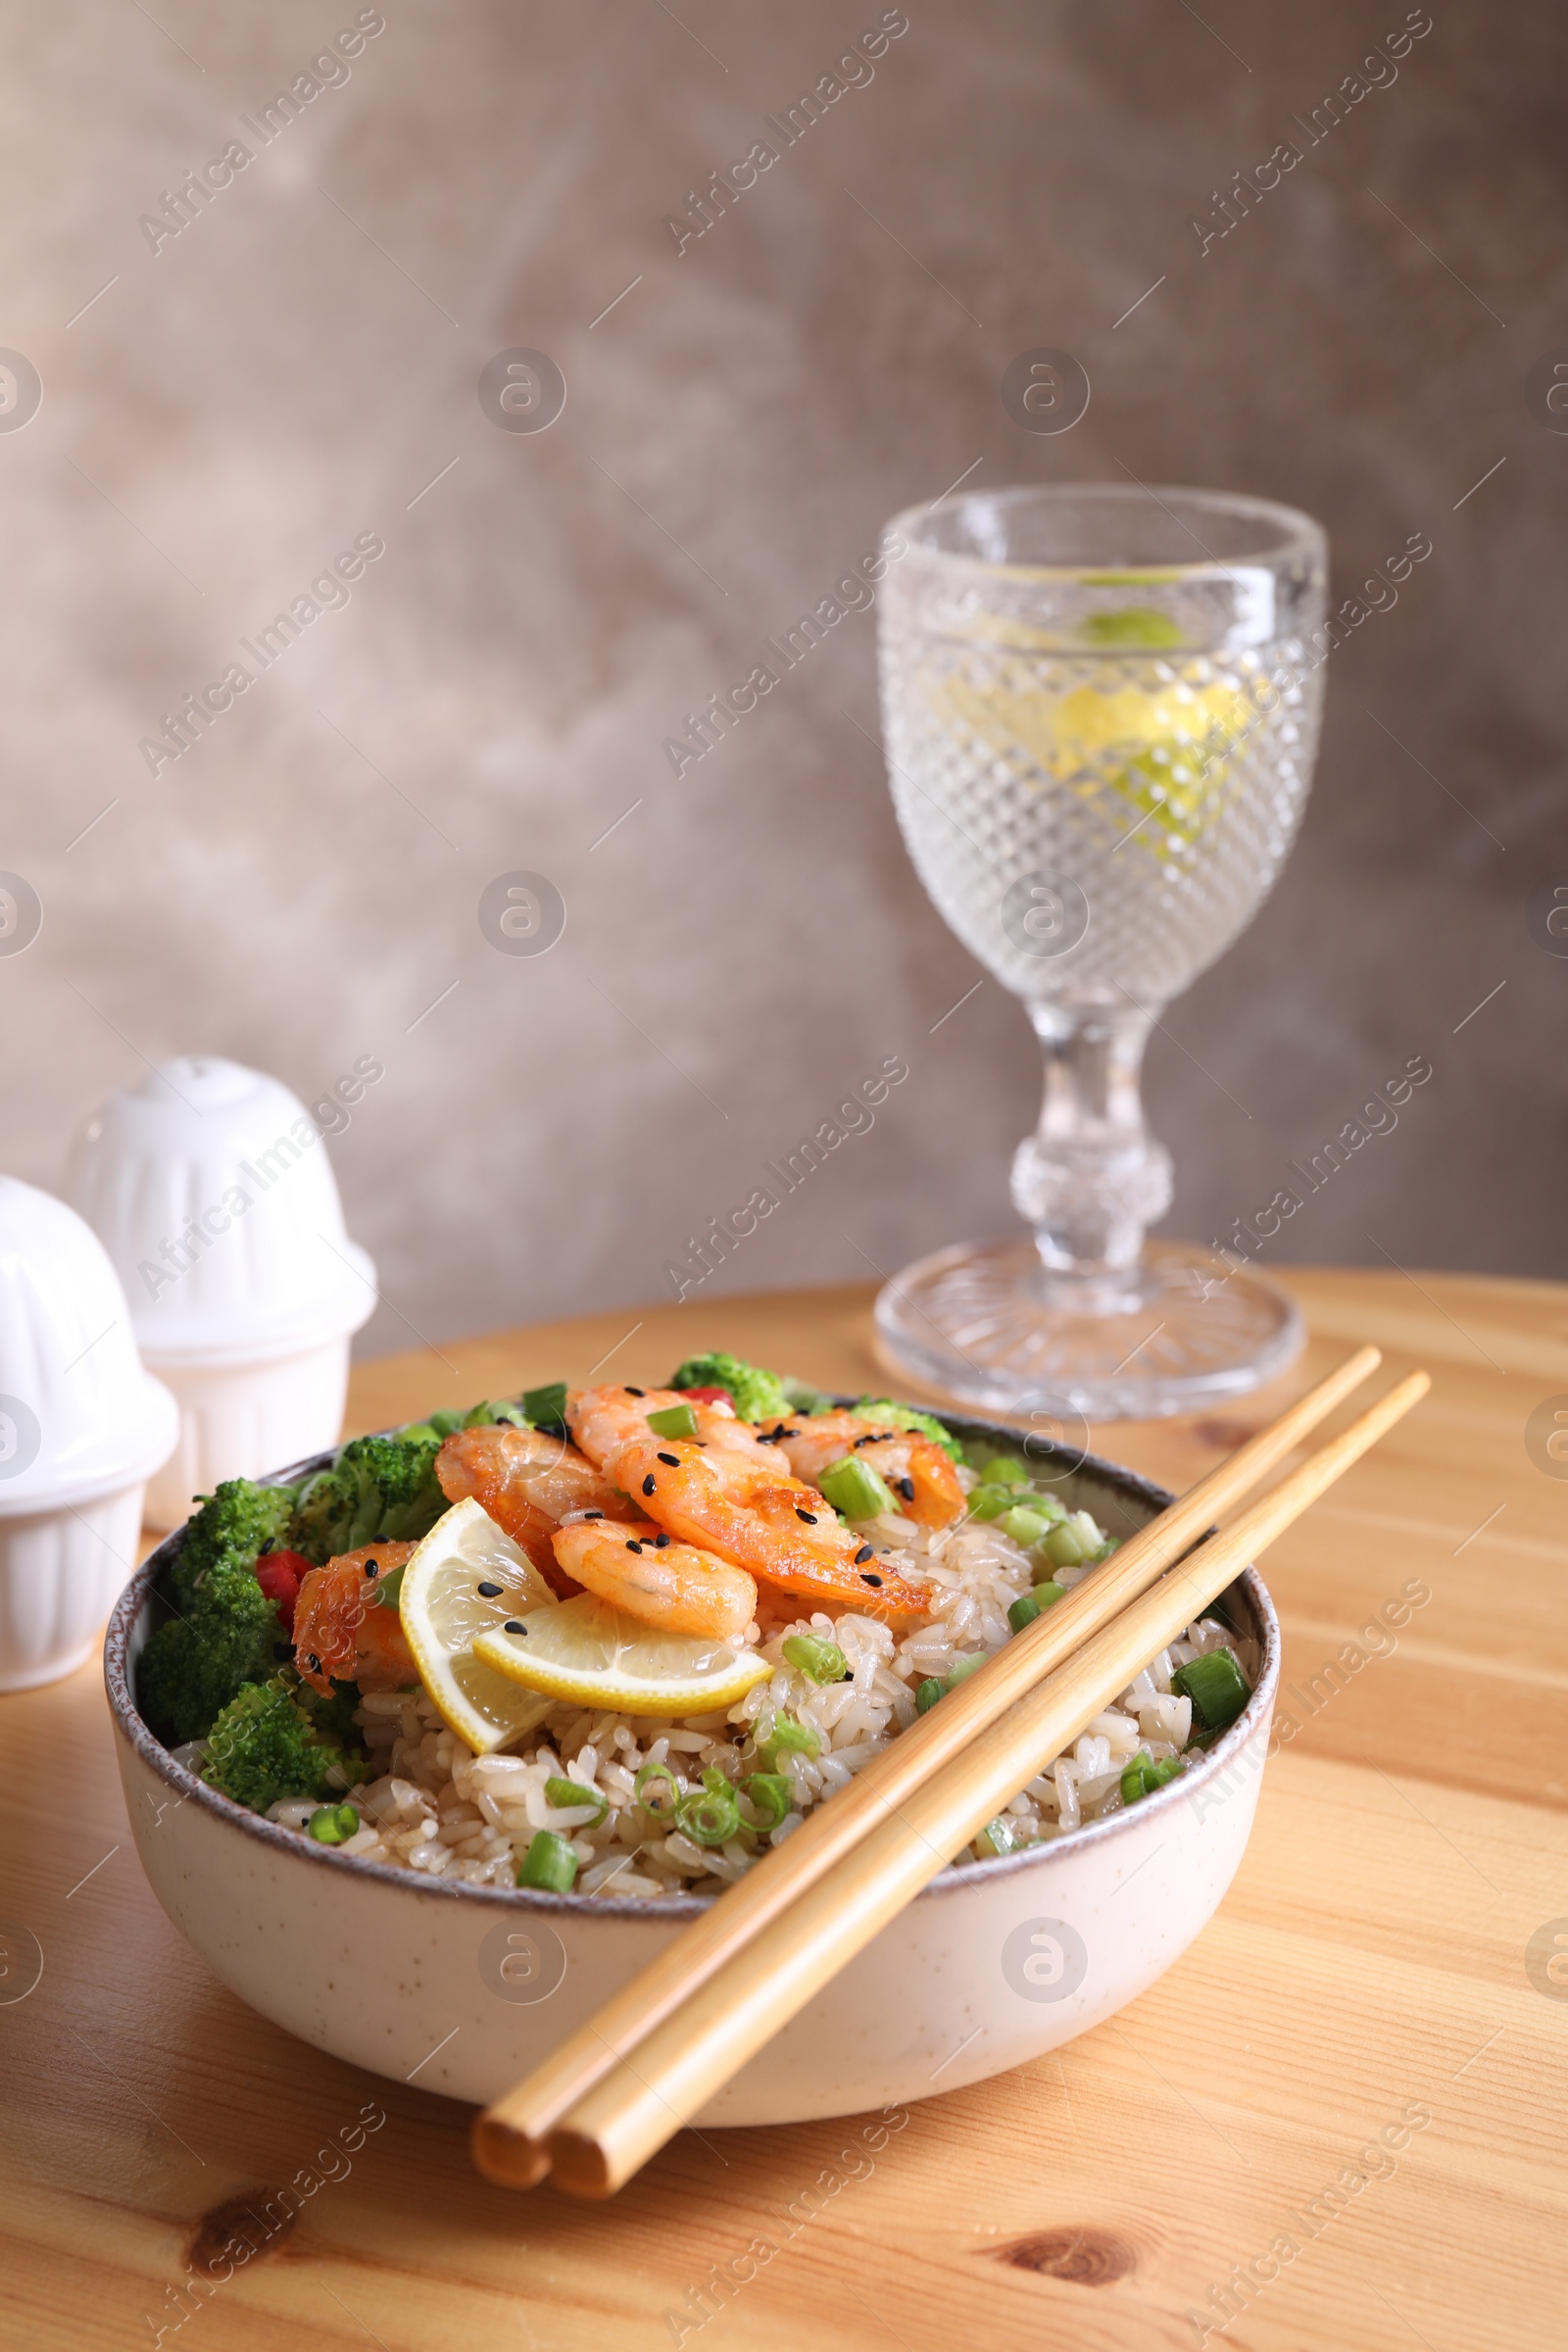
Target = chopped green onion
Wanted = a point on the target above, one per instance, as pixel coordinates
(1026, 1525)
(1005, 1471)
(853, 1488)
(546, 1407)
(1030, 1605)
(820, 1661)
(789, 1737)
(561, 1793)
(1000, 1837)
(331, 1825)
(772, 1794)
(549, 1863)
(674, 1421)
(1143, 1776)
(1216, 1687)
(930, 1691)
(1065, 1547)
(989, 1502)
(1048, 1591)
(710, 1815)
(659, 1791)
(390, 1588)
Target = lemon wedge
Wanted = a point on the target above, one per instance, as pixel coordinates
(442, 1609)
(585, 1651)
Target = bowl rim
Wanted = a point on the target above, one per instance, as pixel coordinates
(1129, 1485)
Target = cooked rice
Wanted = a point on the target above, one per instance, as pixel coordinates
(429, 1805)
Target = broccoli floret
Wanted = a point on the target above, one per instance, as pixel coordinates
(192, 1667)
(265, 1746)
(757, 1394)
(226, 1630)
(334, 1718)
(236, 1524)
(377, 1489)
(907, 1416)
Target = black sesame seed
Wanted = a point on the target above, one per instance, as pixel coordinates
(870, 1438)
(372, 1567)
(633, 1546)
(488, 1592)
(314, 1663)
(864, 1553)
(869, 1578)
(636, 1391)
(660, 1541)
(808, 1516)
(905, 1486)
(673, 1459)
(593, 1514)
(515, 1625)
(649, 1483)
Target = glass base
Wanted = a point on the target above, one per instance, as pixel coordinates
(986, 1324)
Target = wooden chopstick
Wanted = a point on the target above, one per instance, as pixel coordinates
(510, 2140)
(632, 2112)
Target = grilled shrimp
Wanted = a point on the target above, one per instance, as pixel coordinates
(602, 1418)
(672, 1586)
(528, 1483)
(919, 1473)
(733, 1499)
(342, 1631)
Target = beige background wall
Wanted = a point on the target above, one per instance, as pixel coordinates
(300, 362)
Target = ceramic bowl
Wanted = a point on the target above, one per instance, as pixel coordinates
(209, 1187)
(463, 1989)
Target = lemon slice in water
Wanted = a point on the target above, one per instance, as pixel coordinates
(443, 1605)
(1165, 752)
(585, 1651)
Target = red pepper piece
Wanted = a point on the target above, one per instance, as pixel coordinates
(281, 1574)
(707, 1396)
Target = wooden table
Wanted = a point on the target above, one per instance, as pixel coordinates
(1383, 1956)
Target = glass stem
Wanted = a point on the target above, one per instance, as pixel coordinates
(1092, 1177)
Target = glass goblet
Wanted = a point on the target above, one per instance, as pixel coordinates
(1100, 708)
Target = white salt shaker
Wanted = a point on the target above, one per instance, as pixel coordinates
(209, 1187)
(81, 1427)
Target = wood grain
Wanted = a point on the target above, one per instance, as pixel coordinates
(1370, 1958)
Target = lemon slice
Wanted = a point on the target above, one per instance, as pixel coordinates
(585, 1651)
(442, 1610)
(1165, 752)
